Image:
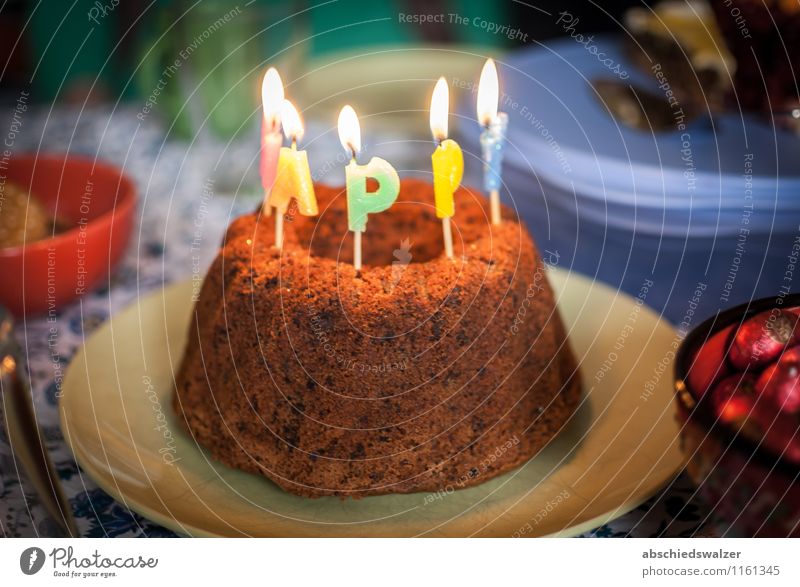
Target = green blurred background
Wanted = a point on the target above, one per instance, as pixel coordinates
(197, 64)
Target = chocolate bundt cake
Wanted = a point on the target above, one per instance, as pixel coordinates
(421, 373)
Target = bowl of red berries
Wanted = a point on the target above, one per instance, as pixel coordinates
(737, 382)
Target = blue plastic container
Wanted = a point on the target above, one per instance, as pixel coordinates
(709, 213)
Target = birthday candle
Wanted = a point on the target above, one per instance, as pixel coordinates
(448, 163)
(493, 136)
(271, 139)
(360, 202)
(293, 179)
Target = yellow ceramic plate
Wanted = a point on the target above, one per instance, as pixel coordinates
(619, 449)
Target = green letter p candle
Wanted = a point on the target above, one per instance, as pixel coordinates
(360, 202)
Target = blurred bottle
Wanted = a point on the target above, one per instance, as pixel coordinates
(201, 68)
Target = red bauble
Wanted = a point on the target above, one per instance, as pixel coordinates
(733, 400)
(792, 354)
(762, 338)
(779, 384)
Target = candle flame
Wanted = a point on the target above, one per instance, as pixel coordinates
(439, 110)
(272, 98)
(349, 130)
(488, 93)
(292, 124)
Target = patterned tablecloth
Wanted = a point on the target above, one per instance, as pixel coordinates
(170, 177)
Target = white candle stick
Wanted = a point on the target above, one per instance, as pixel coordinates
(278, 230)
(357, 250)
(494, 203)
(448, 237)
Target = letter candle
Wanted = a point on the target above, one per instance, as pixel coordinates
(493, 137)
(293, 178)
(271, 139)
(448, 163)
(360, 202)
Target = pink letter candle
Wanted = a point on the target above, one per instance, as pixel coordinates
(271, 139)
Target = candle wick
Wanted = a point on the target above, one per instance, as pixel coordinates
(294, 143)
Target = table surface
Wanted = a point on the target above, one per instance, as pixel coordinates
(170, 177)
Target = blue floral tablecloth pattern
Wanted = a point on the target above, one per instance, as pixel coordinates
(170, 176)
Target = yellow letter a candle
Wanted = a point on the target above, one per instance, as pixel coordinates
(293, 180)
(293, 177)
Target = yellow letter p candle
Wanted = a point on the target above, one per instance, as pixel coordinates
(360, 202)
(448, 167)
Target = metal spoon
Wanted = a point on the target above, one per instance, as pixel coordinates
(24, 434)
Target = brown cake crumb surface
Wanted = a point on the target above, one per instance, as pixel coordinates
(419, 374)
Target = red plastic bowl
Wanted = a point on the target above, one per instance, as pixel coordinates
(98, 202)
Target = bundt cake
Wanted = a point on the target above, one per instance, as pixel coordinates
(420, 373)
